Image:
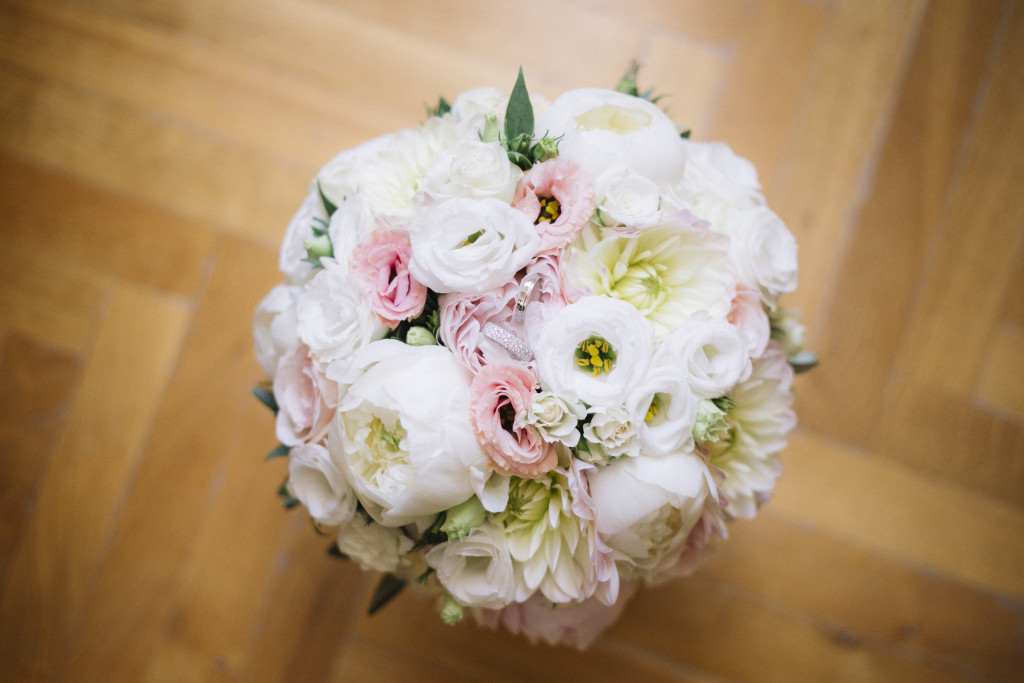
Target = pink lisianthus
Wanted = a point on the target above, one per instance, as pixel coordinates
(501, 394)
(306, 400)
(566, 182)
(749, 317)
(381, 261)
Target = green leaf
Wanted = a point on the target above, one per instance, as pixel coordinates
(280, 452)
(803, 361)
(266, 397)
(519, 113)
(627, 84)
(389, 586)
(329, 206)
(335, 551)
(441, 109)
(724, 403)
(685, 134)
(433, 535)
(287, 499)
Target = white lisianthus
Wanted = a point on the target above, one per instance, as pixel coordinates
(612, 333)
(667, 271)
(604, 130)
(473, 169)
(628, 199)
(274, 326)
(611, 433)
(714, 168)
(349, 225)
(664, 408)
(317, 483)
(763, 250)
(342, 176)
(300, 229)
(645, 507)
(403, 436)
(334, 317)
(470, 246)
(476, 570)
(710, 351)
(555, 418)
(374, 546)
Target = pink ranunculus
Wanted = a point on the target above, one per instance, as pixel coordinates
(306, 400)
(501, 394)
(572, 187)
(381, 261)
(749, 317)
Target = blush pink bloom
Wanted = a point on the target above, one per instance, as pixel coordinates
(500, 395)
(381, 261)
(306, 400)
(566, 182)
(749, 317)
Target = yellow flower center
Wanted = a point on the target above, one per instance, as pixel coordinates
(595, 355)
(550, 210)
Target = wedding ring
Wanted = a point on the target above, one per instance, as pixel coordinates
(525, 291)
(515, 346)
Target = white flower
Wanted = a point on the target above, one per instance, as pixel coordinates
(710, 351)
(349, 225)
(317, 483)
(646, 506)
(611, 433)
(373, 546)
(341, 177)
(712, 167)
(605, 130)
(403, 436)
(667, 271)
(334, 318)
(479, 101)
(470, 246)
(763, 250)
(274, 326)
(477, 570)
(472, 169)
(610, 333)
(787, 329)
(555, 418)
(627, 198)
(300, 229)
(664, 408)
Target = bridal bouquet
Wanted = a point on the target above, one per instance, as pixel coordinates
(529, 355)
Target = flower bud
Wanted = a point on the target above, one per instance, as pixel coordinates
(319, 247)
(451, 611)
(490, 133)
(419, 336)
(463, 518)
(710, 425)
(546, 148)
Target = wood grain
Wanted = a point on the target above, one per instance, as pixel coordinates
(151, 156)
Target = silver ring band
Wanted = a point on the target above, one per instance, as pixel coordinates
(507, 340)
(525, 291)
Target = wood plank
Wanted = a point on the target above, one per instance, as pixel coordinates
(691, 77)
(898, 512)
(1001, 383)
(180, 477)
(38, 384)
(875, 285)
(122, 383)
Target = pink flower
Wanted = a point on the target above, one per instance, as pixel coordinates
(306, 400)
(572, 190)
(748, 316)
(381, 261)
(500, 397)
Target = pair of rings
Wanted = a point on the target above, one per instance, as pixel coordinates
(505, 338)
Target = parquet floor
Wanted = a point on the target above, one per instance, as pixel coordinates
(151, 154)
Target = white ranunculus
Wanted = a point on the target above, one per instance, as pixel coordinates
(274, 326)
(630, 338)
(300, 229)
(645, 507)
(334, 318)
(710, 351)
(555, 418)
(763, 250)
(665, 409)
(477, 570)
(472, 169)
(373, 546)
(627, 198)
(317, 483)
(605, 130)
(611, 433)
(403, 436)
(470, 246)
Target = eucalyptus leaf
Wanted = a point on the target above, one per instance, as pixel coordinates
(389, 586)
(803, 361)
(266, 397)
(280, 452)
(442, 107)
(519, 112)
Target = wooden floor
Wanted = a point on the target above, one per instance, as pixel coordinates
(151, 154)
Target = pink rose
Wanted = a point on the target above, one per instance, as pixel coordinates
(572, 191)
(500, 396)
(381, 261)
(748, 316)
(306, 400)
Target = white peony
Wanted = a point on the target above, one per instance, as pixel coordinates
(625, 198)
(646, 506)
(274, 326)
(403, 436)
(317, 483)
(470, 246)
(334, 318)
(607, 331)
(710, 351)
(373, 546)
(604, 130)
(472, 169)
(476, 570)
